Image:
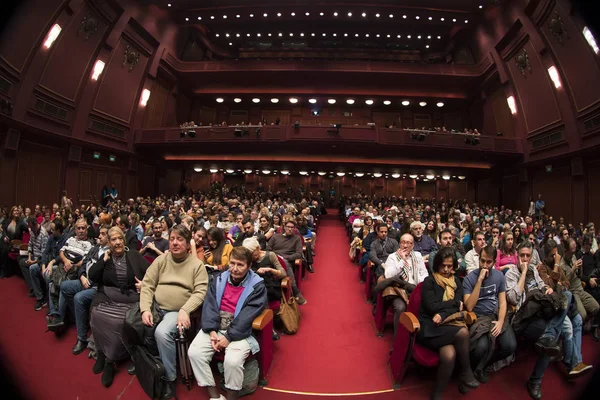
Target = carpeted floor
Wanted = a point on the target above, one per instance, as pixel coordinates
(335, 353)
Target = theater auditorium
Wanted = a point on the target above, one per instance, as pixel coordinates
(287, 200)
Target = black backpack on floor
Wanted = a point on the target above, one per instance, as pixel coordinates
(150, 372)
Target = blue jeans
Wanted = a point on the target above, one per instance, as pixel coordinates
(166, 343)
(73, 291)
(555, 325)
(572, 341)
(36, 279)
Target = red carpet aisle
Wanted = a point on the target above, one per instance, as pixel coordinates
(336, 349)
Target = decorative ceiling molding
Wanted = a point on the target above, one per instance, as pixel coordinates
(522, 61)
(557, 27)
(130, 58)
(89, 26)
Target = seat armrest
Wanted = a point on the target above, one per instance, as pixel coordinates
(286, 283)
(262, 320)
(410, 322)
(298, 262)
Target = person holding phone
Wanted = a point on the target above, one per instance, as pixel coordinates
(155, 245)
(216, 255)
(177, 282)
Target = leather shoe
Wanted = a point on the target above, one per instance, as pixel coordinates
(465, 386)
(535, 390)
(482, 376)
(596, 334)
(548, 345)
(99, 364)
(131, 369)
(108, 374)
(310, 269)
(79, 347)
(169, 392)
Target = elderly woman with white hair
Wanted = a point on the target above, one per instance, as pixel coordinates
(423, 243)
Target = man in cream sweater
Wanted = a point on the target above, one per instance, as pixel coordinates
(177, 281)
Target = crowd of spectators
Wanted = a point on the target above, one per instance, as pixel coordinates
(226, 250)
(527, 275)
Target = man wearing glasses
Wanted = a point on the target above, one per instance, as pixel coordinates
(289, 246)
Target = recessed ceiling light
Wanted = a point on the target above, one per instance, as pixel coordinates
(404, 16)
(367, 35)
(321, 14)
(169, 5)
(409, 37)
(224, 16)
(377, 15)
(212, 17)
(429, 37)
(312, 101)
(265, 15)
(187, 19)
(453, 19)
(280, 34)
(331, 101)
(466, 21)
(220, 100)
(395, 176)
(377, 175)
(248, 34)
(256, 100)
(227, 35)
(439, 37)
(237, 100)
(279, 14)
(442, 19)
(251, 15)
(324, 34)
(274, 100)
(237, 35)
(440, 104)
(258, 35)
(427, 46)
(406, 103)
(369, 102)
(422, 104)
(387, 102)
(307, 14)
(291, 34)
(350, 101)
(237, 15)
(430, 18)
(419, 37)
(199, 18)
(231, 44)
(480, 7)
(399, 36)
(391, 15)
(356, 35)
(345, 35)
(312, 34)
(268, 34)
(417, 17)
(389, 35)
(335, 34)
(349, 14)
(293, 14)
(217, 35)
(364, 15)
(335, 14)
(377, 35)
(293, 100)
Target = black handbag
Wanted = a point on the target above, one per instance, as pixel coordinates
(150, 372)
(135, 333)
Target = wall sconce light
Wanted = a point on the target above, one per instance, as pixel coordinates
(591, 40)
(145, 97)
(52, 35)
(512, 104)
(553, 72)
(98, 68)
(198, 169)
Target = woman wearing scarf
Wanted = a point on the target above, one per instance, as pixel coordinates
(441, 298)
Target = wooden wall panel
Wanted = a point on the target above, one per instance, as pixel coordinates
(502, 115)
(85, 185)
(593, 192)
(555, 188)
(425, 190)
(38, 174)
(510, 191)
(155, 109)
(537, 97)
(394, 187)
(200, 182)
(65, 73)
(457, 190)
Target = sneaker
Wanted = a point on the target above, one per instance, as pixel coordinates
(40, 304)
(579, 370)
(300, 299)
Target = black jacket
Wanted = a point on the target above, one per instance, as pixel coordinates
(105, 274)
(20, 227)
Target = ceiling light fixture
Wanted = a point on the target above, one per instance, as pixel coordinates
(220, 100)
(293, 100)
(387, 102)
(284, 172)
(391, 15)
(237, 15)
(430, 18)
(406, 103)
(404, 16)
(274, 100)
(369, 102)
(212, 17)
(224, 16)
(266, 171)
(251, 15)
(349, 14)
(321, 173)
(364, 15)
(377, 15)
(453, 19)
(199, 18)
(98, 68)
(279, 14)
(412, 176)
(395, 176)
(430, 176)
(169, 5)
(247, 171)
(427, 46)
(256, 100)
(321, 14)
(440, 104)
(350, 101)
(389, 35)
(422, 104)
(446, 177)
(198, 169)
(359, 174)
(312, 101)
(293, 14)
(462, 177)
(417, 17)
(340, 173)
(237, 100)
(554, 76)
(377, 175)
(335, 14)
(307, 14)
(265, 15)
(331, 101)
(303, 172)
(187, 19)
(466, 21)
(512, 104)
(229, 171)
(213, 170)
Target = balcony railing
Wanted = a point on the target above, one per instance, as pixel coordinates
(316, 133)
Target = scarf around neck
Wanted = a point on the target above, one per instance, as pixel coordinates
(448, 284)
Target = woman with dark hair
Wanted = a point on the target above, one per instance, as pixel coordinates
(441, 297)
(265, 231)
(518, 235)
(234, 299)
(431, 230)
(217, 254)
(507, 252)
(277, 223)
(12, 229)
(119, 275)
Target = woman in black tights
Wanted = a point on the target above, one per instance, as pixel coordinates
(440, 298)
